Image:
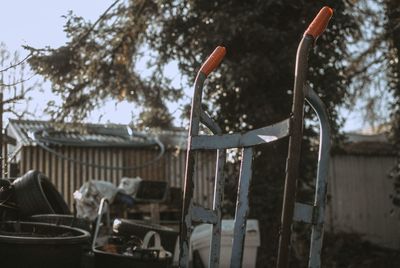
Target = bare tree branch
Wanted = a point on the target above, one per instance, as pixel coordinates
(354, 71)
(17, 64)
(18, 115)
(15, 98)
(18, 82)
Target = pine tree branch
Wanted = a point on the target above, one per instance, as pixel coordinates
(86, 34)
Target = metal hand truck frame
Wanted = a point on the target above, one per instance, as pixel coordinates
(292, 127)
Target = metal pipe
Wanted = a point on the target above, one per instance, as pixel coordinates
(322, 175)
(242, 207)
(293, 160)
(99, 218)
(186, 222)
(217, 207)
(195, 118)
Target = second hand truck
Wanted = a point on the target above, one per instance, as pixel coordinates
(292, 127)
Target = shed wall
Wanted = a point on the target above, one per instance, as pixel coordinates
(358, 189)
(68, 176)
(359, 198)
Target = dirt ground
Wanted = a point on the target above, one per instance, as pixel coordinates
(344, 250)
(349, 250)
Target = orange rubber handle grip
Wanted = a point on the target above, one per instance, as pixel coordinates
(318, 25)
(213, 60)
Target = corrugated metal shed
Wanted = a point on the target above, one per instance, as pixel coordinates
(359, 186)
(359, 191)
(102, 146)
(359, 198)
(361, 144)
(89, 135)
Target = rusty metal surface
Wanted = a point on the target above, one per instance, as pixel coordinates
(292, 127)
(292, 166)
(203, 215)
(303, 213)
(242, 207)
(188, 190)
(195, 214)
(217, 205)
(237, 140)
(322, 175)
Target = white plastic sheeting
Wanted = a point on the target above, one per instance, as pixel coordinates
(88, 197)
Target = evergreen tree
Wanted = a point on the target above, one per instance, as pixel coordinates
(393, 54)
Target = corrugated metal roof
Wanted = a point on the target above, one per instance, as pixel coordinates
(366, 144)
(369, 148)
(26, 132)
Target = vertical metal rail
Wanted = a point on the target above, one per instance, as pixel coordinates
(190, 212)
(293, 160)
(242, 207)
(219, 184)
(317, 230)
(100, 213)
(186, 222)
(218, 199)
(316, 28)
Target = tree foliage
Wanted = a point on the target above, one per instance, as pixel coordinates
(98, 62)
(252, 87)
(393, 54)
(369, 64)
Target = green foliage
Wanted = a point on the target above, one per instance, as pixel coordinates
(98, 62)
(393, 54)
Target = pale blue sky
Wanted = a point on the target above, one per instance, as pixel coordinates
(39, 23)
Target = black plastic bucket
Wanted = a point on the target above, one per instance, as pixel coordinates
(28, 244)
(67, 220)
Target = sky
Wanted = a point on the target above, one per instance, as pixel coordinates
(39, 23)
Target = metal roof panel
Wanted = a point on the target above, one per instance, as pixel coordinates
(69, 134)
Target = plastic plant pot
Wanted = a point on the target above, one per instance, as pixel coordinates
(61, 219)
(28, 244)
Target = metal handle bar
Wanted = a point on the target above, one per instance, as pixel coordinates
(99, 218)
(322, 174)
(293, 161)
(190, 212)
(198, 115)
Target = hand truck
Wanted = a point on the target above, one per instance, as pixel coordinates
(292, 127)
